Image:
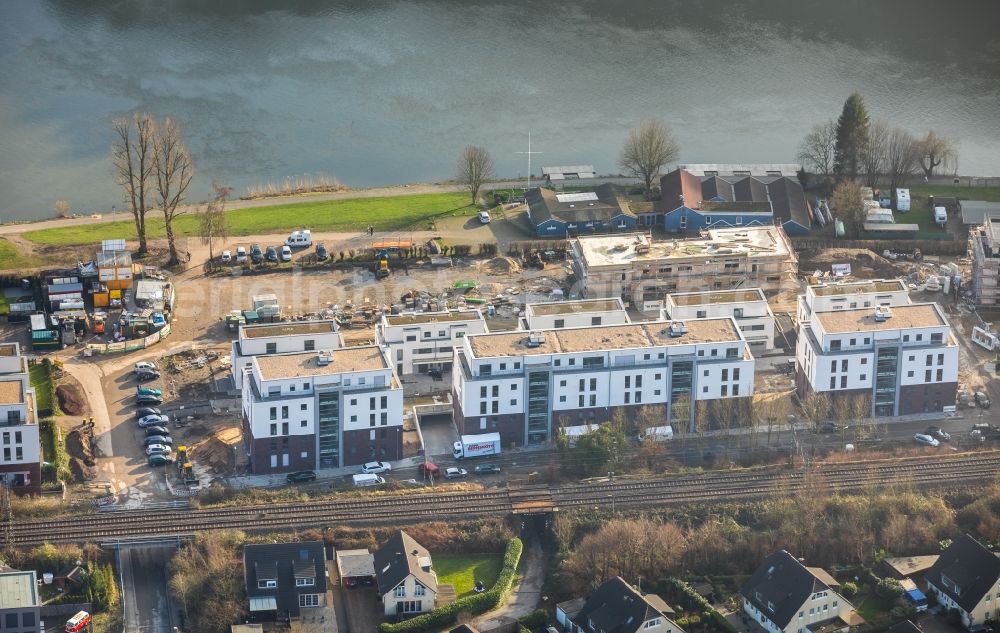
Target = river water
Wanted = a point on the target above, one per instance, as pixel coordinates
(386, 92)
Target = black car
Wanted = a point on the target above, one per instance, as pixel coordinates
(321, 252)
(156, 430)
(146, 376)
(829, 427)
(149, 399)
(272, 254)
(487, 469)
(142, 412)
(256, 256)
(301, 476)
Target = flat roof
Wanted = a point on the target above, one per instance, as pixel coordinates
(299, 328)
(746, 242)
(601, 338)
(445, 316)
(577, 305)
(906, 565)
(858, 287)
(344, 360)
(863, 320)
(18, 590)
(8, 349)
(717, 296)
(11, 392)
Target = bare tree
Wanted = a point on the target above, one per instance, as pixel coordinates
(132, 155)
(936, 151)
(873, 152)
(647, 149)
(475, 168)
(61, 207)
(174, 170)
(848, 203)
(816, 150)
(816, 407)
(902, 158)
(212, 221)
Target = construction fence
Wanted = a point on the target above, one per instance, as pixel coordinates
(128, 346)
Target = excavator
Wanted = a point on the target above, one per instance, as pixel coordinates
(382, 265)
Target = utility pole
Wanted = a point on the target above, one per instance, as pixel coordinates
(529, 153)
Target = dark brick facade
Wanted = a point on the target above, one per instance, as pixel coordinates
(927, 397)
(358, 448)
(34, 477)
(261, 450)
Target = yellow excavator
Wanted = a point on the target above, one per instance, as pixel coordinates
(382, 265)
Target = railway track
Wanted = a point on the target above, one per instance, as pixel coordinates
(716, 486)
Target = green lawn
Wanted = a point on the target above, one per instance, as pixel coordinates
(873, 607)
(4, 304)
(991, 194)
(354, 215)
(11, 257)
(41, 380)
(463, 571)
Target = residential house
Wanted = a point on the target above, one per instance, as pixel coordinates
(552, 214)
(404, 575)
(557, 175)
(785, 596)
(419, 342)
(643, 270)
(742, 170)
(523, 384)
(747, 306)
(323, 409)
(616, 607)
(966, 577)
(20, 450)
(267, 339)
(19, 602)
(909, 566)
(574, 313)
(283, 578)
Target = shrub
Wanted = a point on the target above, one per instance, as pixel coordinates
(479, 603)
(849, 589)
(535, 620)
(888, 589)
(691, 600)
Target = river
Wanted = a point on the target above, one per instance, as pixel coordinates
(386, 92)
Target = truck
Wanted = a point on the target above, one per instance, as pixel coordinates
(657, 434)
(477, 446)
(364, 481)
(382, 265)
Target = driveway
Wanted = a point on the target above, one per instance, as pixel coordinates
(526, 595)
(362, 608)
(439, 434)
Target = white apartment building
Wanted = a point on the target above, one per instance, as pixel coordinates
(281, 338)
(851, 295)
(20, 450)
(748, 307)
(325, 409)
(419, 342)
(523, 384)
(643, 271)
(575, 313)
(903, 358)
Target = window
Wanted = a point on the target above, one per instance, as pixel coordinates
(503, 366)
(274, 429)
(309, 345)
(833, 382)
(284, 412)
(843, 365)
(513, 387)
(384, 402)
(513, 402)
(715, 352)
(411, 338)
(940, 375)
(291, 388)
(736, 373)
(419, 590)
(426, 334)
(305, 582)
(937, 338)
(274, 414)
(628, 397)
(732, 352)
(701, 314)
(583, 384)
(652, 624)
(940, 359)
(593, 384)
(303, 424)
(595, 320)
(657, 376)
(864, 377)
(930, 359)
(271, 348)
(267, 584)
(581, 401)
(6, 437)
(593, 401)
(482, 408)
(801, 613)
(572, 362)
(284, 428)
(496, 407)
(909, 374)
(864, 360)
(482, 391)
(843, 382)
(927, 376)
(833, 365)
(303, 407)
(412, 606)
(736, 389)
(486, 370)
(854, 342)
(308, 599)
(385, 418)
(371, 419)
(704, 389)
(400, 591)
(496, 391)
(725, 374)
(354, 418)
(593, 361)
(559, 323)
(835, 345)
(725, 390)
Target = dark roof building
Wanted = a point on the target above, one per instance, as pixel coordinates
(616, 607)
(399, 558)
(282, 577)
(555, 214)
(964, 577)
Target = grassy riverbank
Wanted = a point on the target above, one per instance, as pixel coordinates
(352, 215)
(11, 257)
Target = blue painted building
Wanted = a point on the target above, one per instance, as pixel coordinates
(603, 210)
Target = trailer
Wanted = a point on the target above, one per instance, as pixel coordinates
(657, 434)
(984, 338)
(477, 446)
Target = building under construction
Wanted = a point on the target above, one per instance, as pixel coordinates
(643, 270)
(985, 246)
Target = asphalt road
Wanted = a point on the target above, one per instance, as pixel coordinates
(148, 606)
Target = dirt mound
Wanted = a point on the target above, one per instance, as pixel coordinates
(81, 455)
(216, 452)
(71, 399)
(501, 266)
(864, 263)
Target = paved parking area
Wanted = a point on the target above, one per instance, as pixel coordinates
(363, 608)
(439, 434)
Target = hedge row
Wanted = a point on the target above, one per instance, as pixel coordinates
(693, 601)
(474, 604)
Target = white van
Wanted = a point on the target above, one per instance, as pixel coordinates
(363, 481)
(657, 434)
(300, 239)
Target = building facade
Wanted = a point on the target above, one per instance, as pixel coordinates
(281, 338)
(281, 579)
(576, 313)
(19, 602)
(405, 576)
(851, 295)
(423, 341)
(966, 577)
(326, 409)
(642, 271)
(903, 359)
(748, 307)
(525, 384)
(985, 245)
(605, 209)
(616, 606)
(20, 450)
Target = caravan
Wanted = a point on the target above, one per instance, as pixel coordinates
(902, 200)
(300, 239)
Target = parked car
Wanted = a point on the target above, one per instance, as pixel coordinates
(302, 475)
(148, 391)
(487, 469)
(241, 255)
(160, 459)
(484, 217)
(146, 375)
(144, 365)
(149, 399)
(256, 255)
(153, 420)
(166, 440)
(926, 439)
(321, 253)
(156, 430)
(142, 412)
(286, 253)
(982, 400)
(829, 427)
(455, 473)
(272, 254)
(226, 257)
(157, 449)
(375, 468)
(938, 433)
